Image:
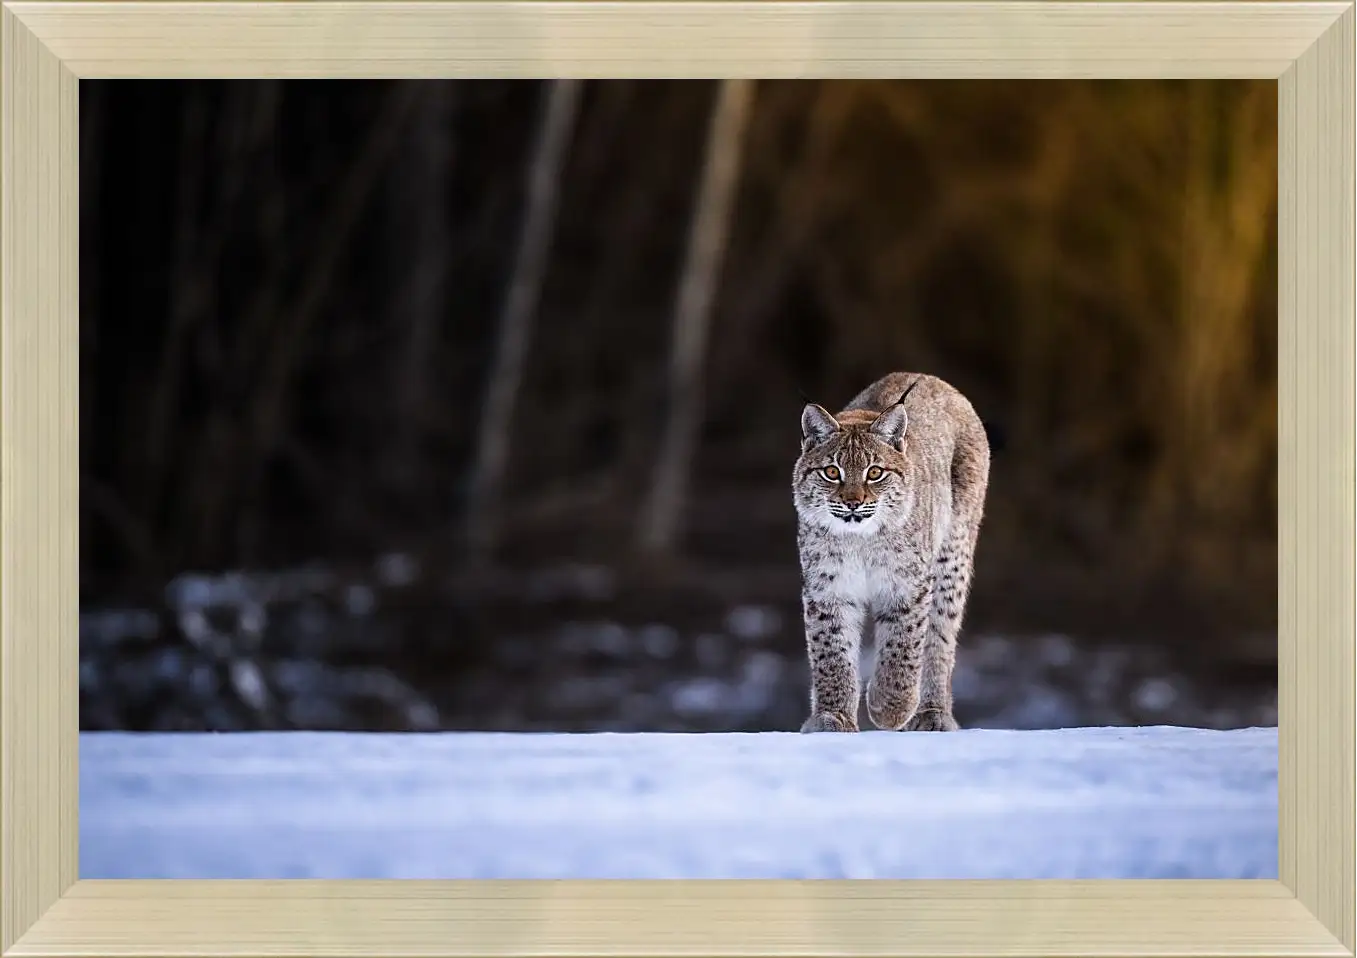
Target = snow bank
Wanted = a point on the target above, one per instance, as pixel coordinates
(1074, 803)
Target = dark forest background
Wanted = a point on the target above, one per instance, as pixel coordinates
(473, 404)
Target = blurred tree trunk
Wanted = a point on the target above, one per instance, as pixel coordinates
(212, 206)
(546, 168)
(805, 190)
(289, 327)
(419, 243)
(225, 491)
(122, 521)
(93, 124)
(692, 317)
(190, 296)
(1220, 414)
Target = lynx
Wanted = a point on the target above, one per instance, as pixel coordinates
(889, 497)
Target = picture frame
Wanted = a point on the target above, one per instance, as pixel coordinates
(47, 47)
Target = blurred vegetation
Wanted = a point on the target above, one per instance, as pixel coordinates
(292, 294)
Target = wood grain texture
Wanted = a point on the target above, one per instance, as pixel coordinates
(39, 702)
(687, 38)
(871, 918)
(1317, 482)
(1310, 46)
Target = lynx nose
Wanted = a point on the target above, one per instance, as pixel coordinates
(853, 504)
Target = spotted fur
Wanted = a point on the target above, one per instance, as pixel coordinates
(889, 497)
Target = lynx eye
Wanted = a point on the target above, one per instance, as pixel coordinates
(831, 473)
(874, 474)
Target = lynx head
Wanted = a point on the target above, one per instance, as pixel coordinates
(852, 476)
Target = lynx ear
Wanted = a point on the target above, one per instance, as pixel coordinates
(817, 425)
(890, 426)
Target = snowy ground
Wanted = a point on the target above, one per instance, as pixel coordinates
(1077, 803)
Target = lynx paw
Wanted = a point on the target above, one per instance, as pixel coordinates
(890, 711)
(931, 720)
(829, 722)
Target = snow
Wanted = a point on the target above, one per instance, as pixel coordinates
(1073, 803)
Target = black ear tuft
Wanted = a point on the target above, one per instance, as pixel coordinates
(905, 395)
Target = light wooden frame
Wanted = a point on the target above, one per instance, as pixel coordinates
(46, 47)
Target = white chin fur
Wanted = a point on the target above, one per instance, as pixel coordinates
(845, 528)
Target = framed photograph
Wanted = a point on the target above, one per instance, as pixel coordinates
(661, 478)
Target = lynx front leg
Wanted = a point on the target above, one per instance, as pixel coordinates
(934, 713)
(953, 574)
(833, 634)
(893, 692)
